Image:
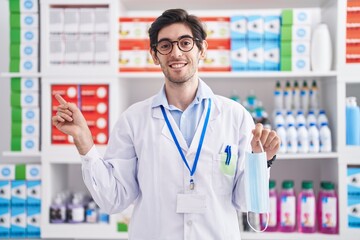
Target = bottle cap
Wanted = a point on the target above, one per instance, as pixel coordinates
(272, 184)
(327, 185)
(307, 185)
(287, 184)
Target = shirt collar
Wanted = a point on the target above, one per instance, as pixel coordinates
(203, 92)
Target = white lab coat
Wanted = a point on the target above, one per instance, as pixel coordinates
(143, 166)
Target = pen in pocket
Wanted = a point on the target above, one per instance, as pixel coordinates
(228, 154)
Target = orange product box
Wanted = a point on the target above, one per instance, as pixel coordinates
(353, 16)
(94, 92)
(68, 92)
(217, 56)
(353, 3)
(353, 48)
(99, 136)
(217, 27)
(133, 55)
(134, 27)
(57, 137)
(353, 33)
(95, 107)
(96, 120)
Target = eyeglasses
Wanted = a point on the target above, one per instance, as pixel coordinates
(185, 44)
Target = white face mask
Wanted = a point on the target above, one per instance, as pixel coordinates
(257, 185)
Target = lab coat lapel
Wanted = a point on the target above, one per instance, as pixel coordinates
(165, 130)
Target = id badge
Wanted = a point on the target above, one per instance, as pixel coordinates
(191, 203)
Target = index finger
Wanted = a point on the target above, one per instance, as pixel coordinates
(257, 131)
(60, 99)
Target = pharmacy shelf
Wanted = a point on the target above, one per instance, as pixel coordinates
(352, 155)
(65, 154)
(287, 236)
(19, 74)
(300, 156)
(21, 154)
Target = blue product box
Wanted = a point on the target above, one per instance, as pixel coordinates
(272, 55)
(255, 55)
(5, 222)
(33, 171)
(272, 27)
(5, 193)
(354, 212)
(7, 171)
(18, 193)
(33, 189)
(238, 27)
(255, 27)
(239, 55)
(353, 182)
(33, 222)
(18, 222)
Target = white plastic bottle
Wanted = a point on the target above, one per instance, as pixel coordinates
(321, 50)
(300, 119)
(304, 97)
(311, 118)
(322, 118)
(278, 119)
(292, 139)
(314, 96)
(296, 96)
(278, 97)
(289, 119)
(325, 138)
(288, 96)
(303, 139)
(281, 131)
(314, 141)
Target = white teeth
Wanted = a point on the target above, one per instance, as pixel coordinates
(179, 65)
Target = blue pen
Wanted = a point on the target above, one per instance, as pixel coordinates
(228, 154)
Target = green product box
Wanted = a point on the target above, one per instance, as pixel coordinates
(122, 227)
(15, 35)
(286, 48)
(20, 172)
(15, 144)
(286, 33)
(287, 17)
(14, 65)
(15, 21)
(16, 114)
(14, 5)
(15, 51)
(16, 85)
(285, 63)
(16, 129)
(15, 99)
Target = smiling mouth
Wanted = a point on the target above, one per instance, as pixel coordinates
(177, 65)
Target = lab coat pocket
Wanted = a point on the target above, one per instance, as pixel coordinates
(224, 169)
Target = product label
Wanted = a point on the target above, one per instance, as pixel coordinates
(287, 207)
(272, 214)
(307, 211)
(328, 209)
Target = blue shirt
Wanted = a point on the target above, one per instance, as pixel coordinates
(188, 120)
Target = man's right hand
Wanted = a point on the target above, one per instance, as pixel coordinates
(70, 120)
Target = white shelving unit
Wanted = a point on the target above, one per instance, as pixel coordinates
(61, 164)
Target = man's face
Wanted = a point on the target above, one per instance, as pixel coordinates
(178, 66)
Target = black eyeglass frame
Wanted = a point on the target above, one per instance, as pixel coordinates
(177, 43)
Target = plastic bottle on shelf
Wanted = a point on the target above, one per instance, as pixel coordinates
(300, 118)
(287, 207)
(304, 97)
(314, 96)
(327, 209)
(311, 118)
(279, 118)
(288, 96)
(76, 210)
(291, 137)
(273, 215)
(306, 212)
(321, 49)
(314, 139)
(322, 118)
(281, 131)
(296, 96)
(303, 139)
(251, 100)
(278, 97)
(289, 119)
(58, 210)
(325, 138)
(235, 96)
(91, 213)
(352, 122)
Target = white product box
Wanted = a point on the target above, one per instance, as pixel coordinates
(102, 52)
(353, 182)
(5, 222)
(29, 99)
(239, 55)
(255, 26)
(28, 129)
(216, 60)
(29, 21)
(272, 27)
(353, 210)
(18, 193)
(102, 22)
(87, 20)
(217, 27)
(30, 114)
(56, 20)
(71, 20)
(133, 28)
(302, 16)
(33, 193)
(71, 55)
(33, 172)
(7, 171)
(33, 222)
(29, 144)
(255, 55)
(86, 49)
(29, 65)
(132, 59)
(5, 193)
(300, 63)
(57, 49)
(29, 6)
(300, 32)
(29, 50)
(18, 222)
(238, 27)
(300, 48)
(29, 84)
(271, 56)
(29, 36)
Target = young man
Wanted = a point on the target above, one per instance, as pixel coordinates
(165, 153)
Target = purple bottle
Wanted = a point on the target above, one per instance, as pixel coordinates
(76, 210)
(273, 215)
(57, 211)
(328, 211)
(306, 208)
(287, 207)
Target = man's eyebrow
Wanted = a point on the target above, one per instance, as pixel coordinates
(182, 36)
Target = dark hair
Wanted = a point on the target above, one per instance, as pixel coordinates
(172, 16)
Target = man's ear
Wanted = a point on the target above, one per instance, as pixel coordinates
(154, 57)
(204, 49)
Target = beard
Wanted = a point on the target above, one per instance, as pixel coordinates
(181, 76)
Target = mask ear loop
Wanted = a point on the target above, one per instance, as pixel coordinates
(267, 214)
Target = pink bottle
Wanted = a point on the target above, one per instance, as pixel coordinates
(327, 209)
(306, 208)
(287, 207)
(273, 215)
